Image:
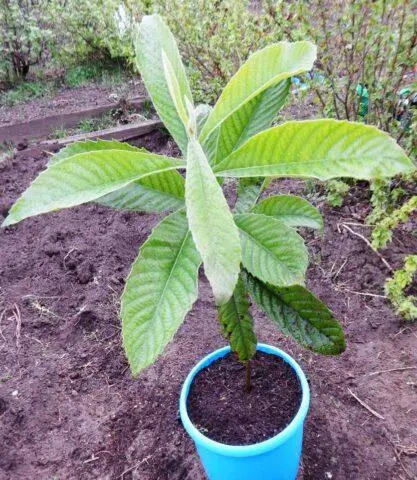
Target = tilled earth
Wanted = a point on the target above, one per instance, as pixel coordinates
(68, 100)
(69, 408)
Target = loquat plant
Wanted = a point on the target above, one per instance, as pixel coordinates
(254, 250)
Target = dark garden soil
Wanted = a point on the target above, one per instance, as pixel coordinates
(69, 100)
(69, 408)
(221, 408)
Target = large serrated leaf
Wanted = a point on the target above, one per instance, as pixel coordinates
(253, 117)
(153, 37)
(157, 193)
(91, 146)
(262, 70)
(85, 177)
(298, 314)
(174, 89)
(291, 210)
(322, 149)
(271, 251)
(248, 191)
(161, 288)
(211, 223)
(237, 323)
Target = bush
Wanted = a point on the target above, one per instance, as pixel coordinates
(395, 287)
(25, 32)
(365, 44)
(92, 31)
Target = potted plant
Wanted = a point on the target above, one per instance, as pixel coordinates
(253, 251)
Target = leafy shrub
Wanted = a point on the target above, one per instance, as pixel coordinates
(92, 32)
(336, 192)
(395, 289)
(25, 32)
(363, 42)
(382, 233)
(255, 250)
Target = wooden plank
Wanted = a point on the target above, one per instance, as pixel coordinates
(42, 127)
(121, 133)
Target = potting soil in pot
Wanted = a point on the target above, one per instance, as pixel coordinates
(221, 409)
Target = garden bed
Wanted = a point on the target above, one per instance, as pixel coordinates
(66, 101)
(69, 407)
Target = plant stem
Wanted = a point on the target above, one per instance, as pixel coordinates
(248, 385)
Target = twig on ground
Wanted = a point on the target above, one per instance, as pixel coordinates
(18, 319)
(134, 467)
(369, 245)
(73, 249)
(92, 459)
(366, 294)
(365, 405)
(399, 450)
(340, 269)
(399, 369)
(2, 315)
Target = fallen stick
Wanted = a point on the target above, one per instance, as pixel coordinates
(365, 405)
(369, 245)
(399, 369)
(366, 294)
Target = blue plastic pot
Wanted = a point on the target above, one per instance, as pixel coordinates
(277, 458)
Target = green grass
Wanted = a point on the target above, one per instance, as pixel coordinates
(86, 126)
(60, 132)
(94, 124)
(6, 151)
(76, 76)
(83, 74)
(26, 91)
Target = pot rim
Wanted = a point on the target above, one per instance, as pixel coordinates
(255, 448)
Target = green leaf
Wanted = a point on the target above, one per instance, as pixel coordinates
(253, 117)
(85, 177)
(322, 149)
(291, 210)
(202, 111)
(248, 192)
(262, 70)
(212, 225)
(298, 314)
(153, 37)
(91, 146)
(271, 251)
(161, 288)
(156, 193)
(174, 89)
(237, 323)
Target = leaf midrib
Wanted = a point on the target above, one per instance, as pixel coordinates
(269, 252)
(168, 280)
(270, 83)
(239, 325)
